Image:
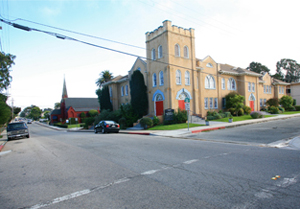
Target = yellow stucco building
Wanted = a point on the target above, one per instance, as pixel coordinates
(172, 73)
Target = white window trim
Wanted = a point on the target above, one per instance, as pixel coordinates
(179, 77)
(177, 55)
(154, 82)
(216, 103)
(205, 103)
(223, 83)
(159, 52)
(229, 84)
(161, 78)
(187, 52)
(249, 87)
(208, 79)
(253, 87)
(189, 78)
(211, 103)
(153, 57)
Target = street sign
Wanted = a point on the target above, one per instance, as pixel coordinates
(187, 100)
(187, 106)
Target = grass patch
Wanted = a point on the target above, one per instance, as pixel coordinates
(290, 112)
(241, 118)
(174, 126)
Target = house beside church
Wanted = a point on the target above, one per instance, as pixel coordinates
(73, 107)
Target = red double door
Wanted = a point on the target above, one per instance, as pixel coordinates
(159, 108)
(252, 105)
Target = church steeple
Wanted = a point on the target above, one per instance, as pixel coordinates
(64, 93)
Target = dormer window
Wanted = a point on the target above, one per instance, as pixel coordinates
(209, 65)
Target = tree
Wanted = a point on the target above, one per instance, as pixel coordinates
(57, 105)
(287, 70)
(234, 101)
(104, 77)
(47, 115)
(93, 113)
(26, 112)
(6, 61)
(138, 93)
(258, 68)
(35, 113)
(5, 110)
(286, 102)
(104, 99)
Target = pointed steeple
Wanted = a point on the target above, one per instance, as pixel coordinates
(64, 93)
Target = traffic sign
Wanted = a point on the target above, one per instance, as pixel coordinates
(187, 100)
(187, 106)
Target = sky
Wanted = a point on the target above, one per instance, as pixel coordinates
(236, 32)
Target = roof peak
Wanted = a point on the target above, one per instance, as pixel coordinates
(64, 93)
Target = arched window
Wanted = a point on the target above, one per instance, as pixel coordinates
(154, 79)
(178, 77)
(231, 85)
(186, 52)
(210, 82)
(177, 50)
(209, 65)
(139, 69)
(153, 54)
(161, 78)
(159, 52)
(187, 78)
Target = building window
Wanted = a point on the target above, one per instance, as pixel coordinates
(279, 89)
(270, 89)
(122, 91)
(178, 77)
(154, 80)
(249, 86)
(187, 78)
(210, 103)
(253, 87)
(223, 103)
(177, 50)
(153, 54)
(231, 85)
(209, 65)
(126, 90)
(159, 51)
(110, 92)
(216, 103)
(210, 82)
(161, 78)
(264, 88)
(282, 90)
(223, 83)
(206, 103)
(260, 102)
(186, 52)
(265, 101)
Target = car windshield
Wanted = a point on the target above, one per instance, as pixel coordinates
(109, 122)
(16, 126)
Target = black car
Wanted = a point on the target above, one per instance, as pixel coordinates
(107, 126)
(16, 130)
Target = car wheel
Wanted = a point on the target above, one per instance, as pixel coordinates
(96, 131)
(27, 136)
(103, 131)
(117, 131)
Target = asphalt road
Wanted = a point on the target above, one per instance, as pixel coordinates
(54, 169)
(259, 133)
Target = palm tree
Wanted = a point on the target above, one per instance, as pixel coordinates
(104, 77)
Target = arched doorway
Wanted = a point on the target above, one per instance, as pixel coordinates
(181, 95)
(159, 105)
(251, 102)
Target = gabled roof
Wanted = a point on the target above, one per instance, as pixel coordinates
(276, 81)
(82, 104)
(55, 112)
(231, 70)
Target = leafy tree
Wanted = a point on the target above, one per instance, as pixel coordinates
(57, 105)
(234, 102)
(26, 112)
(17, 110)
(93, 113)
(6, 61)
(104, 77)
(258, 67)
(138, 93)
(5, 113)
(47, 115)
(104, 99)
(273, 102)
(286, 102)
(287, 70)
(35, 113)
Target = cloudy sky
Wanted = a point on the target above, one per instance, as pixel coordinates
(235, 32)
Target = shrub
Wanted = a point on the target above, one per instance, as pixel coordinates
(247, 110)
(240, 112)
(294, 102)
(227, 114)
(286, 102)
(218, 116)
(297, 107)
(82, 115)
(155, 120)
(122, 123)
(292, 108)
(223, 115)
(214, 113)
(273, 110)
(221, 111)
(263, 108)
(88, 122)
(146, 122)
(281, 109)
(210, 117)
(180, 116)
(256, 115)
(209, 113)
(273, 102)
(232, 111)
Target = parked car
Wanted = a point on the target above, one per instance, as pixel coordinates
(29, 121)
(16, 130)
(107, 126)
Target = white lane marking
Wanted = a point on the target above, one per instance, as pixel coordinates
(149, 172)
(190, 161)
(5, 152)
(87, 191)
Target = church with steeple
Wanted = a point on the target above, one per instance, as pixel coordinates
(73, 107)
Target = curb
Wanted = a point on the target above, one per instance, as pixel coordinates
(138, 133)
(208, 129)
(2, 146)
